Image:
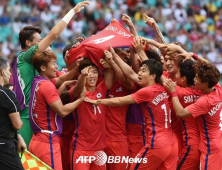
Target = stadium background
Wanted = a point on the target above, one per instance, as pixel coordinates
(196, 23)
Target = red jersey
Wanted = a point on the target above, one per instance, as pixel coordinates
(190, 130)
(156, 111)
(208, 112)
(43, 115)
(167, 75)
(175, 122)
(116, 116)
(90, 132)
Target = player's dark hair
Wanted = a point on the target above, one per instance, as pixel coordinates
(85, 63)
(152, 54)
(155, 67)
(207, 73)
(187, 69)
(67, 48)
(42, 58)
(3, 63)
(26, 33)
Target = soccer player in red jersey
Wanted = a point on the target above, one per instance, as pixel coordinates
(116, 138)
(90, 134)
(46, 110)
(161, 148)
(189, 157)
(207, 110)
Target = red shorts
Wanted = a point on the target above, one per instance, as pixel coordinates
(47, 152)
(189, 158)
(116, 149)
(211, 161)
(135, 143)
(65, 139)
(80, 160)
(157, 158)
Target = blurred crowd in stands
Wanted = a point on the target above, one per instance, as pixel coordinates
(196, 23)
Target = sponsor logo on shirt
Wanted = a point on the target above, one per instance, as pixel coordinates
(111, 96)
(100, 158)
(98, 95)
(159, 98)
(119, 89)
(215, 109)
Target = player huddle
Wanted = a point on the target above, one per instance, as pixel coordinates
(164, 108)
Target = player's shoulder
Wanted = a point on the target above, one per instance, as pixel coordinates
(46, 84)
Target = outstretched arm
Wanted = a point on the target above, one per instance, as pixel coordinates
(116, 101)
(70, 75)
(64, 110)
(57, 30)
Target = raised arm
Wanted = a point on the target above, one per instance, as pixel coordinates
(56, 31)
(126, 69)
(109, 77)
(127, 20)
(116, 101)
(180, 111)
(78, 88)
(118, 72)
(140, 46)
(58, 28)
(152, 23)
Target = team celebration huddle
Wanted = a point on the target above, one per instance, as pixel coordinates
(124, 102)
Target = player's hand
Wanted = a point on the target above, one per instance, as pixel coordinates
(80, 39)
(85, 71)
(104, 63)
(138, 44)
(88, 100)
(185, 56)
(170, 85)
(127, 20)
(150, 21)
(21, 144)
(109, 57)
(80, 6)
(71, 82)
(83, 94)
(172, 49)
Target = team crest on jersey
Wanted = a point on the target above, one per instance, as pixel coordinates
(119, 89)
(98, 95)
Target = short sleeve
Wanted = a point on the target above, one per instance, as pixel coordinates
(28, 55)
(200, 107)
(142, 95)
(49, 92)
(9, 102)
